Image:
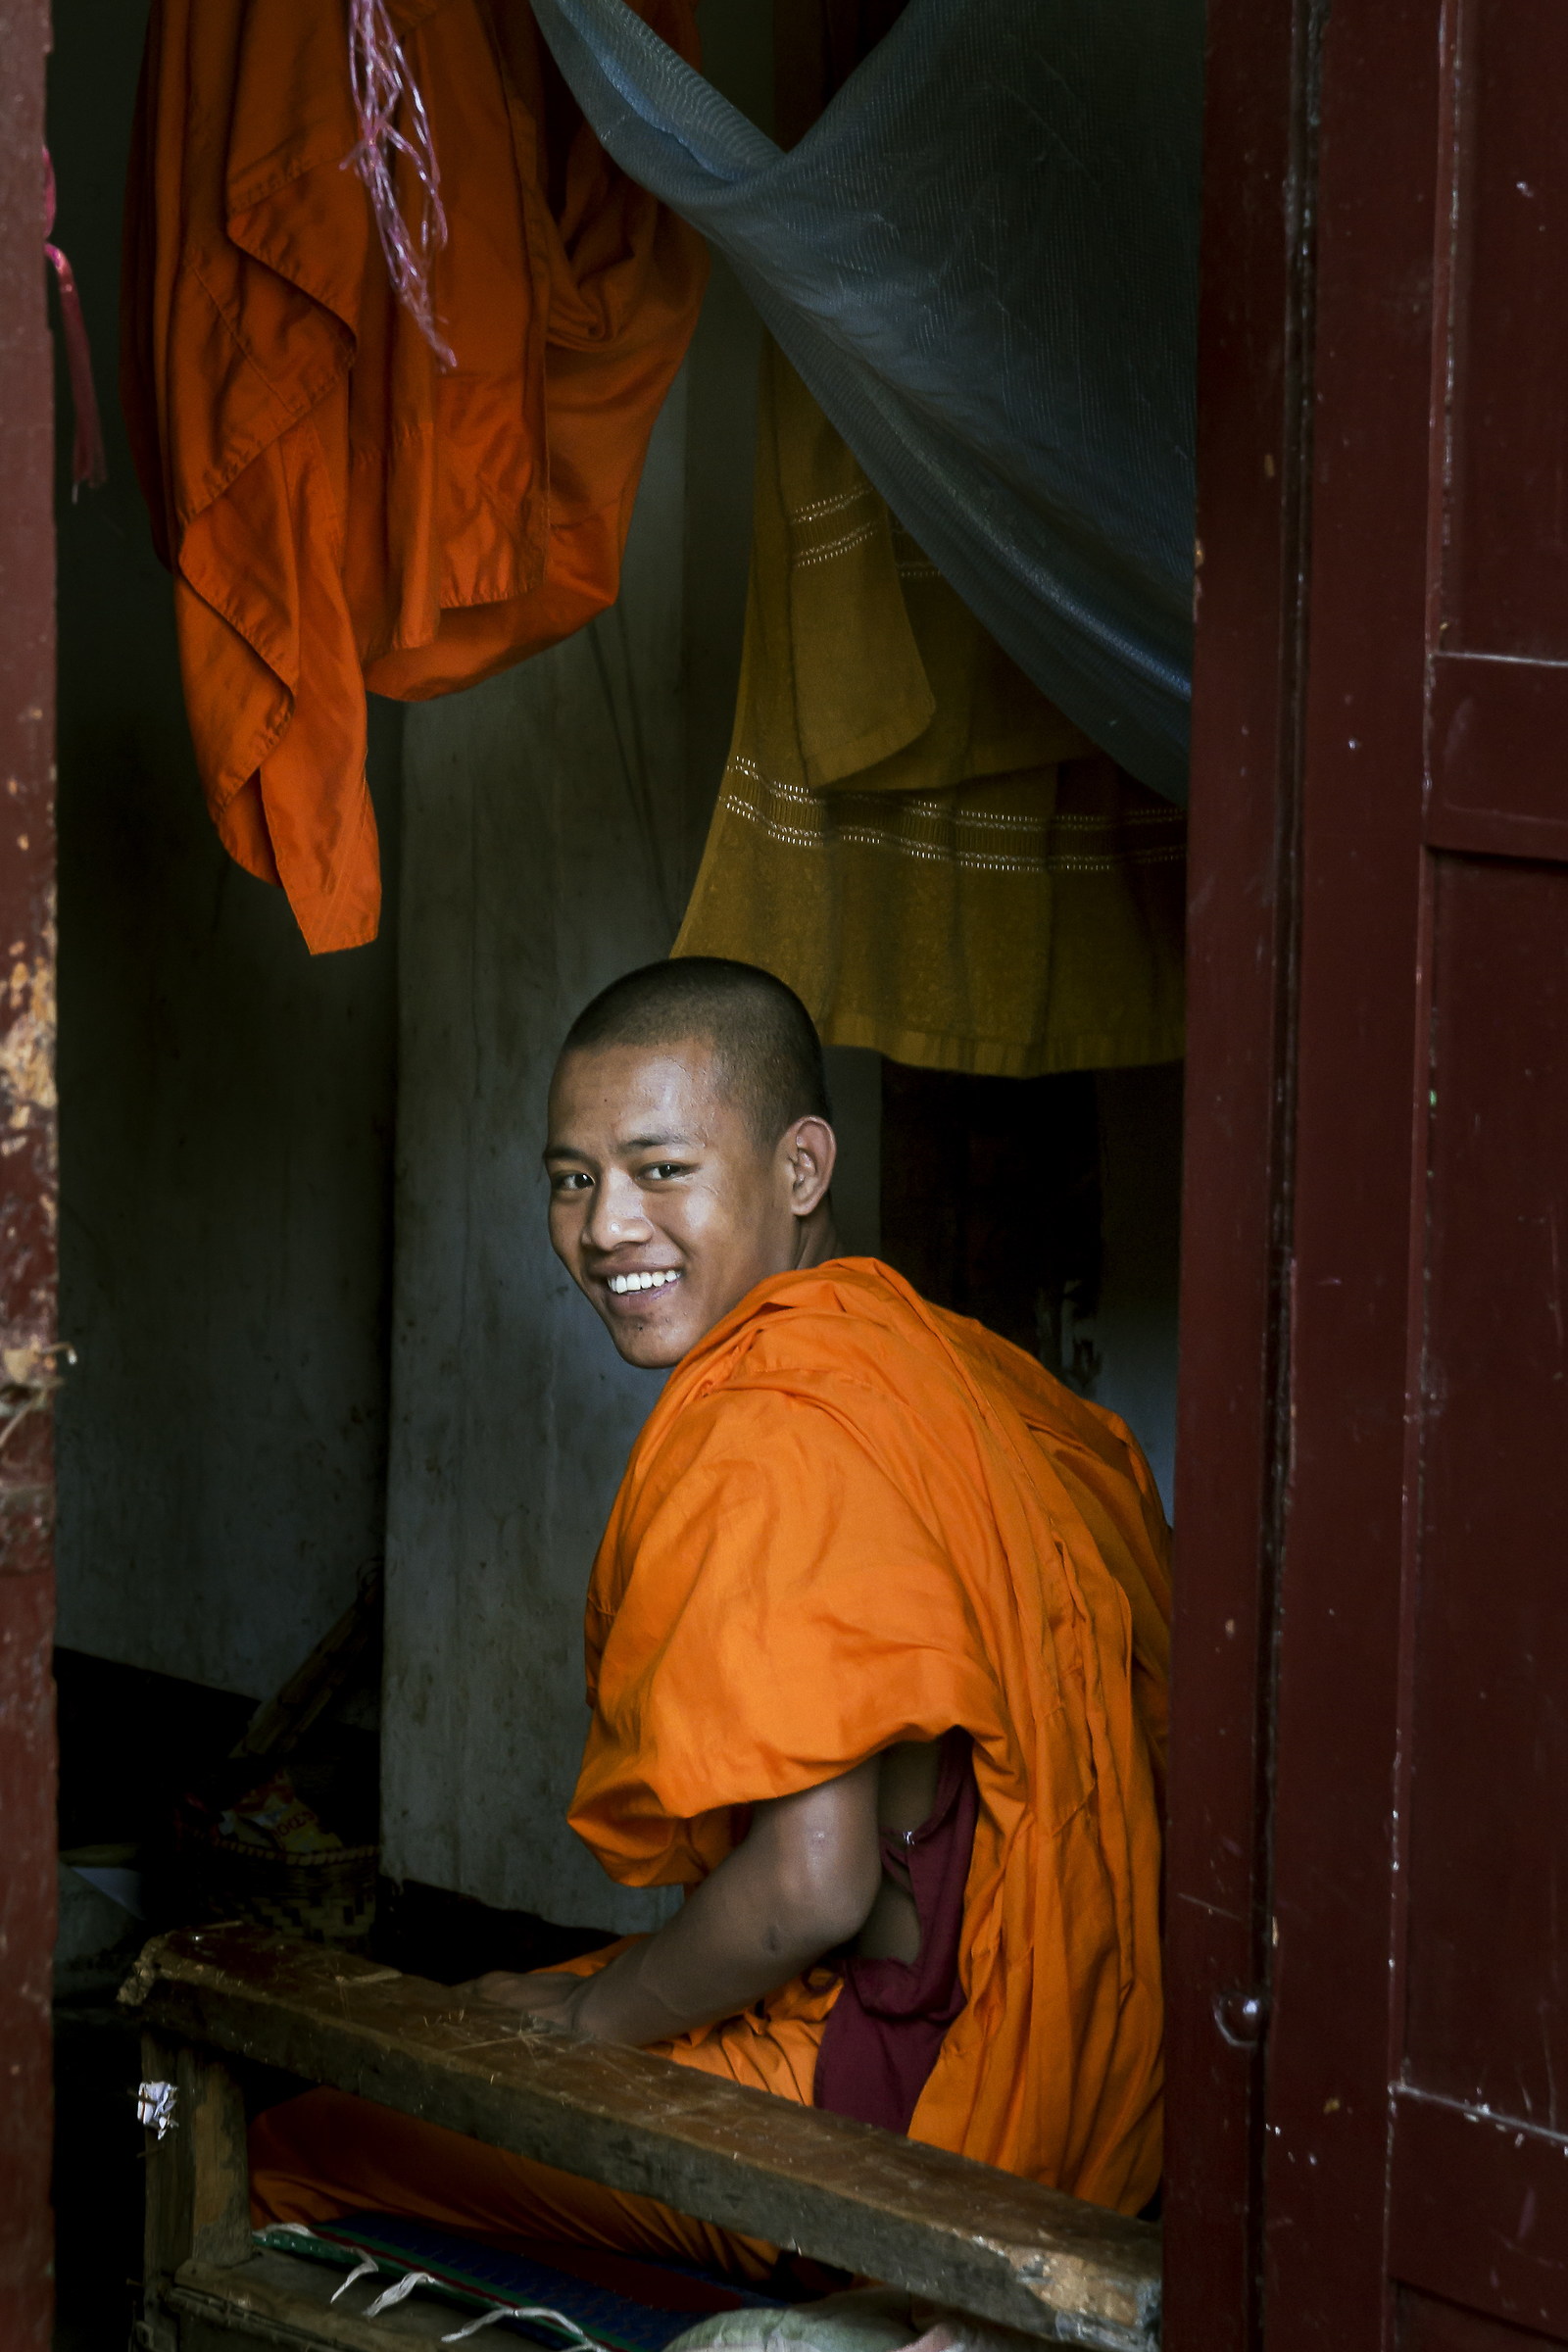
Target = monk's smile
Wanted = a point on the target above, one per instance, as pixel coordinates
(667, 1207)
(638, 1293)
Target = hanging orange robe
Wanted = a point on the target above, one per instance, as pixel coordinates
(852, 1519)
(339, 508)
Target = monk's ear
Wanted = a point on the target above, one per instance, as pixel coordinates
(810, 1149)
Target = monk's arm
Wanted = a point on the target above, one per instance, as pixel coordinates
(802, 1883)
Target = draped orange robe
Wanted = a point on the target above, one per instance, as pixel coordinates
(852, 1519)
(340, 510)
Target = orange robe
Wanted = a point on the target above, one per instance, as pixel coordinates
(852, 1519)
(339, 511)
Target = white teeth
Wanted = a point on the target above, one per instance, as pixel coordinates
(621, 1283)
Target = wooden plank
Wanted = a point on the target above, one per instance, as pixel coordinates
(843, 2192)
(286, 2299)
(213, 2112)
(198, 2187)
(277, 2298)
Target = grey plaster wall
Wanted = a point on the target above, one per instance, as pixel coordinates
(226, 1102)
(554, 822)
(536, 871)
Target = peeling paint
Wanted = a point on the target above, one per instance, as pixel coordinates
(20, 1368)
(28, 1044)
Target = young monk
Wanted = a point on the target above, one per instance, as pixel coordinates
(876, 1657)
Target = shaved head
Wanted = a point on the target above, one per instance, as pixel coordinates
(690, 1149)
(764, 1043)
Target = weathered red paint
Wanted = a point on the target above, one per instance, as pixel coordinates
(27, 1190)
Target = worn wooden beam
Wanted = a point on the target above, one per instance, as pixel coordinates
(843, 2192)
(279, 2299)
(198, 2183)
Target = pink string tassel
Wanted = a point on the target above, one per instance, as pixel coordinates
(381, 85)
(88, 462)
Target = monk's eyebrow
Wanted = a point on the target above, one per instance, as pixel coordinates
(630, 1143)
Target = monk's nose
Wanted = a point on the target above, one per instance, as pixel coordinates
(617, 1216)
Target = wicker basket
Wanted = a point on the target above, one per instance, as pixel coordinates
(328, 1897)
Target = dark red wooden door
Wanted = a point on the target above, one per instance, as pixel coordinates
(1388, 1857)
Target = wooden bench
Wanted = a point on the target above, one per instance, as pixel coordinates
(961, 2235)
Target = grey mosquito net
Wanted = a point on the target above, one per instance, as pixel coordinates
(982, 259)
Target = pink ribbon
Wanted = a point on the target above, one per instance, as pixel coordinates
(381, 85)
(88, 463)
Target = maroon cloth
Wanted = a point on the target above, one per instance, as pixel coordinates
(886, 2026)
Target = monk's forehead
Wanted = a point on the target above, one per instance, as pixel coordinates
(632, 1093)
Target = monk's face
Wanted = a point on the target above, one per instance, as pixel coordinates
(664, 1205)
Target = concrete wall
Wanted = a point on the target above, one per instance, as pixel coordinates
(553, 821)
(534, 875)
(226, 1103)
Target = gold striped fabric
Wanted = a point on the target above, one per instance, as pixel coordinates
(906, 831)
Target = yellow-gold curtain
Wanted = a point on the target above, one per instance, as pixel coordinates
(907, 832)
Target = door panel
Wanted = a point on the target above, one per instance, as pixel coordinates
(1486, 2018)
(1425, 2325)
(1479, 2046)
(1504, 575)
(1498, 756)
(1414, 2142)
(1499, 735)
(1479, 2214)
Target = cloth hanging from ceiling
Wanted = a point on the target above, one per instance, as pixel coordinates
(339, 511)
(936, 860)
(982, 261)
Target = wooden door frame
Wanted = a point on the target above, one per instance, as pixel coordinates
(1255, 505)
(27, 1189)
(1327, 228)
(1357, 1184)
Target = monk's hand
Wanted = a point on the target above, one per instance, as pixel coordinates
(546, 1993)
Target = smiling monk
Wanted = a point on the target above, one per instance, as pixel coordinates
(876, 1657)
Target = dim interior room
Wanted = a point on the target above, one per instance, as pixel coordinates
(322, 1350)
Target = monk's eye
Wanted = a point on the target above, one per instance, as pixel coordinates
(662, 1169)
(570, 1180)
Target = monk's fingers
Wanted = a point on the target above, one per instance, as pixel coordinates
(499, 1985)
(548, 1994)
(544, 1995)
